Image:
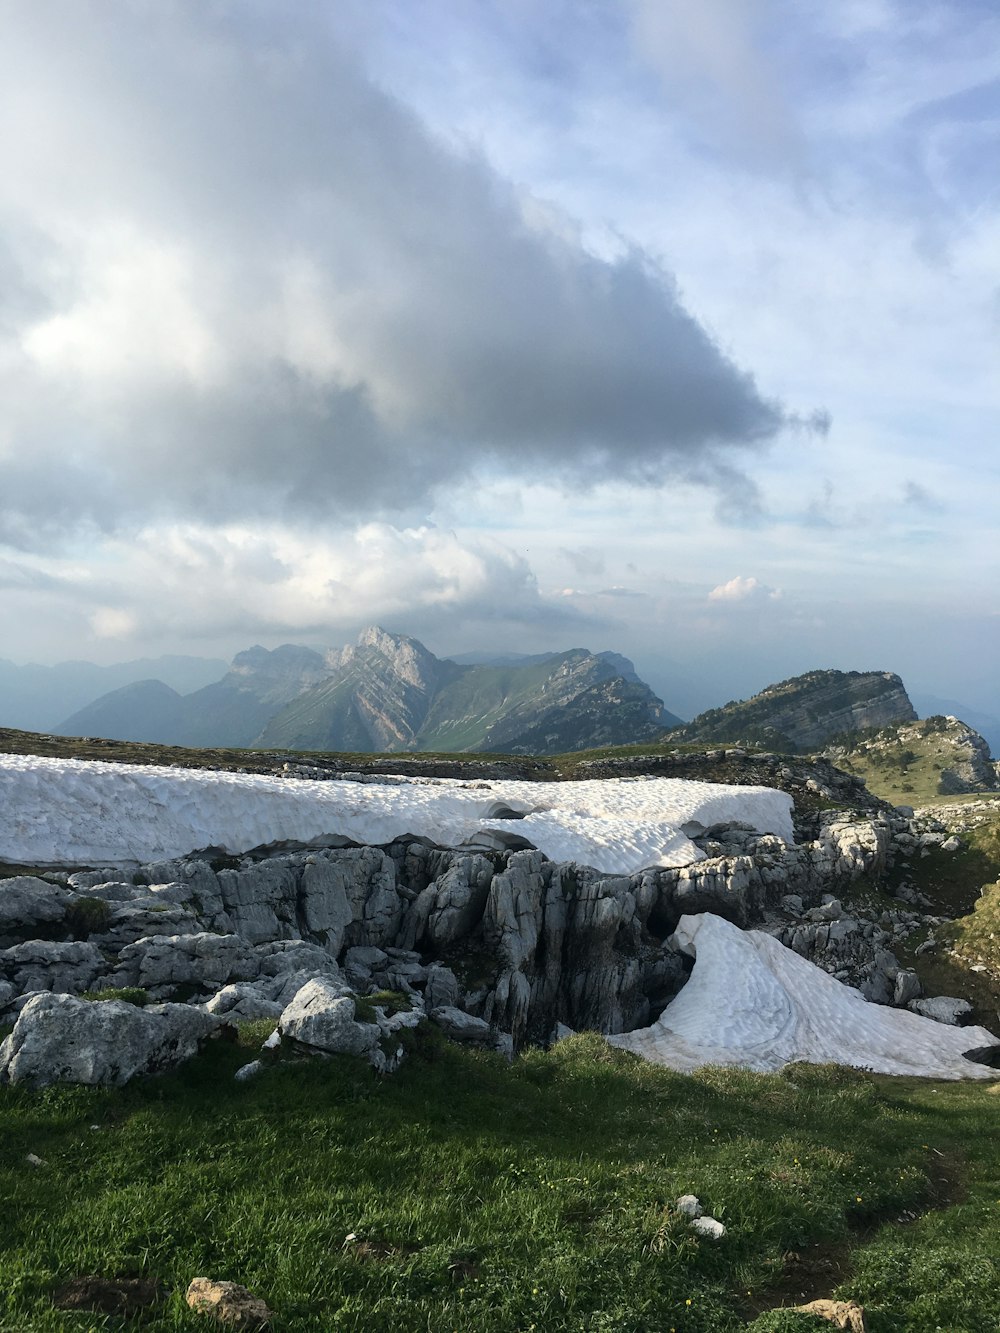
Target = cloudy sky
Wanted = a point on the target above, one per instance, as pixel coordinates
(662, 327)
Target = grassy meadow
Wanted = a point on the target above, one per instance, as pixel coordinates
(465, 1194)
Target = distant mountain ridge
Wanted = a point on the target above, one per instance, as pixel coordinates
(36, 697)
(389, 692)
(805, 712)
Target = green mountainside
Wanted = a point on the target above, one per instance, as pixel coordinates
(914, 762)
(389, 693)
(802, 714)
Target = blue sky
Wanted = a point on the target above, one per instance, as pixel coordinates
(671, 329)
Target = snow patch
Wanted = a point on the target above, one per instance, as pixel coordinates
(85, 812)
(752, 1002)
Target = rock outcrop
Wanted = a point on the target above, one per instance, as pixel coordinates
(804, 713)
(61, 1038)
(497, 946)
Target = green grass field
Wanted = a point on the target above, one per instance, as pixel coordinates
(486, 1197)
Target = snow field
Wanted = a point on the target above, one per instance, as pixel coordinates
(85, 812)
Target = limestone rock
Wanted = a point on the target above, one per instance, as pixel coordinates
(441, 987)
(907, 987)
(710, 1227)
(458, 1025)
(58, 1038)
(242, 1001)
(229, 1303)
(51, 965)
(942, 1008)
(845, 1315)
(202, 959)
(458, 901)
(26, 901)
(322, 1016)
(689, 1206)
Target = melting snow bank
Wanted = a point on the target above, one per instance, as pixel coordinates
(752, 1002)
(84, 812)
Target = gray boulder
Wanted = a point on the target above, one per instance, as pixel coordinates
(942, 1008)
(51, 965)
(322, 1017)
(458, 1025)
(26, 901)
(59, 1038)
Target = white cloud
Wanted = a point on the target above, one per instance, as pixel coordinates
(740, 589)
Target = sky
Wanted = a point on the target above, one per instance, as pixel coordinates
(662, 328)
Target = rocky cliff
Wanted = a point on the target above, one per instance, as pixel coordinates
(802, 714)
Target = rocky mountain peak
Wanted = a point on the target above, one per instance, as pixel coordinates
(805, 712)
(408, 658)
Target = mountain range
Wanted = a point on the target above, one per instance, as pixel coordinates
(389, 692)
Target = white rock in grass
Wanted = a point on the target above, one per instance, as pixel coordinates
(708, 1226)
(246, 1072)
(322, 1016)
(689, 1205)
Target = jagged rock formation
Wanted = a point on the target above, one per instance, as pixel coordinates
(495, 947)
(390, 693)
(802, 714)
(508, 938)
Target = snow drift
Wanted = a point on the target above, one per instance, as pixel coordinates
(85, 812)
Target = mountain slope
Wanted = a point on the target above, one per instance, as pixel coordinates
(391, 693)
(916, 761)
(803, 713)
(144, 710)
(230, 711)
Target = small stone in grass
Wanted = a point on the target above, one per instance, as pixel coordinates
(708, 1226)
(229, 1303)
(689, 1206)
(846, 1315)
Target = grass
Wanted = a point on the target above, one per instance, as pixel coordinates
(486, 1197)
(548, 768)
(904, 763)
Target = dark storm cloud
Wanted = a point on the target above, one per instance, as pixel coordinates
(247, 280)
